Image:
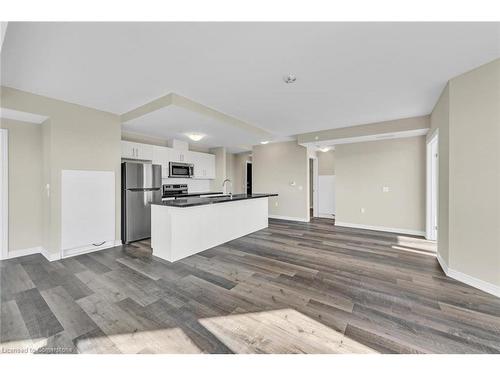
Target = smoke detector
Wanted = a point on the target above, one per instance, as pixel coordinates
(290, 78)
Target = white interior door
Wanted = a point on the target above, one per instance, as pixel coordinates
(326, 196)
(4, 194)
(432, 189)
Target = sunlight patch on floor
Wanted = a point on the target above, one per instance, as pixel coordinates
(166, 341)
(279, 331)
(422, 252)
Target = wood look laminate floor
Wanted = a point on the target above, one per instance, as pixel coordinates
(291, 288)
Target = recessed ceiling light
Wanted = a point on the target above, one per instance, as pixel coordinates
(195, 136)
(264, 142)
(324, 149)
(290, 78)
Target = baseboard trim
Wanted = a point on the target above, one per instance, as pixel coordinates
(326, 216)
(442, 263)
(89, 249)
(469, 280)
(23, 252)
(51, 257)
(381, 229)
(289, 218)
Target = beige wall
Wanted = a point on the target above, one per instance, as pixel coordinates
(25, 184)
(79, 138)
(326, 163)
(363, 169)
(46, 176)
(440, 123)
(275, 166)
(474, 172)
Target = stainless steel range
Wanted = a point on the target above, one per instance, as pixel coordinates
(174, 190)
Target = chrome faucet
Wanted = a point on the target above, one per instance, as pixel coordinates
(224, 184)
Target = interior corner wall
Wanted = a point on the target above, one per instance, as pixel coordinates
(46, 179)
(440, 123)
(474, 174)
(77, 138)
(283, 168)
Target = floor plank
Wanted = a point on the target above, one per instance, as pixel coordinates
(290, 288)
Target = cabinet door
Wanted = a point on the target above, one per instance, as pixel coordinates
(143, 151)
(175, 155)
(160, 156)
(128, 150)
(210, 166)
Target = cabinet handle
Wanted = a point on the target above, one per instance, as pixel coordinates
(99, 244)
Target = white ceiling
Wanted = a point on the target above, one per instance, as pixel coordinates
(173, 122)
(347, 73)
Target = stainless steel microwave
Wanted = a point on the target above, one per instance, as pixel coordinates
(180, 170)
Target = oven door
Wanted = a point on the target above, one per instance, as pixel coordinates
(180, 170)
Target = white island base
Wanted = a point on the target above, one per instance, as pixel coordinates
(178, 232)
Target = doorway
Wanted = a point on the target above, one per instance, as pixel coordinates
(313, 188)
(4, 200)
(432, 188)
(249, 178)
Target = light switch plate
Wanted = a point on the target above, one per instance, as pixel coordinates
(385, 189)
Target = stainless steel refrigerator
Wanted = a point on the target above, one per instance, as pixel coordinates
(141, 185)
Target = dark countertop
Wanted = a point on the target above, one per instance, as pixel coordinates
(197, 194)
(201, 201)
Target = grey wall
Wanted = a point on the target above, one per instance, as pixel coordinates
(474, 173)
(363, 169)
(77, 137)
(275, 166)
(440, 124)
(25, 184)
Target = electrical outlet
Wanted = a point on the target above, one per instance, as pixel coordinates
(362, 210)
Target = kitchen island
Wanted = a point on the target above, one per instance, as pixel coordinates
(186, 226)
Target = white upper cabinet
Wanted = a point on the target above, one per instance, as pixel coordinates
(204, 164)
(161, 156)
(180, 156)
(138, 151)
(128, 150)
